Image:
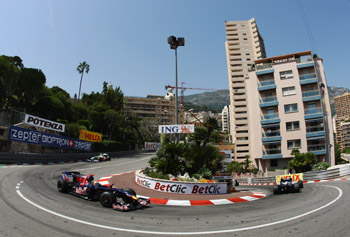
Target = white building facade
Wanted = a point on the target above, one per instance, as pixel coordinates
(288, 108)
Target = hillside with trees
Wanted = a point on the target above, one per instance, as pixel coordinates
(215, 101)
(23, 90)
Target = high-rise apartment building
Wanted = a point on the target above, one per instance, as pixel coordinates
(244, 44)
(342, 110)
(288, 107)
(225, 119)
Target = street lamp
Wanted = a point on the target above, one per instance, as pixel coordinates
(174, 43)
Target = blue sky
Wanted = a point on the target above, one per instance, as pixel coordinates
(125, 42)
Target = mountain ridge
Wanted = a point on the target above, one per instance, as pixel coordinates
(216, 101)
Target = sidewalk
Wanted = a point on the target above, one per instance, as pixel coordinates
(127, 180)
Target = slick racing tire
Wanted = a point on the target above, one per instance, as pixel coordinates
(276, 189)
(107, 199)
(130, 191)
(301, 184)
(129, 200)
(296, 188)
(62, 186)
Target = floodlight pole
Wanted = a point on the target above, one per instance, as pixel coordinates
(174, 43)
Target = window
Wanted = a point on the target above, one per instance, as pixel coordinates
(247, 54)
(286, 74)
(244, 33)
(291, 126)
(288, 91)
(291, 108)
(293, 144)
(248, 59)
(245, 38)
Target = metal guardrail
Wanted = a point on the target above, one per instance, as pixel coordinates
(307, 176)
(32, 158)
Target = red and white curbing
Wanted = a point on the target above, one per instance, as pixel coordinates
(305, 182)
(170, 202)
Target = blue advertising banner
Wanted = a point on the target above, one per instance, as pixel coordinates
(19, 134)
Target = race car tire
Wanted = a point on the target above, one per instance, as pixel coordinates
(276, 189)
(296, 188)
(130, 191)
(301, 184)
(62, 186)
(127, 199)
(107, 199)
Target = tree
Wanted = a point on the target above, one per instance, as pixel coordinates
(50, 107)
(10, 69)
(302, 161)
(199, 157)
(83, 67)
(234, 166)
(31, 82)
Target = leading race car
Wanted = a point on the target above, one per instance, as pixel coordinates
(83, 186)
(286, 185)
(99, 158)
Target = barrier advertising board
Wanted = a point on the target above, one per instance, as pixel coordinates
(182, 128)
(152, 146)
(90, 136)
(43, 123)
(182, 188)
(19, 134)
(295, 177)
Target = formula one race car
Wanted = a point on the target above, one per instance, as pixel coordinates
(99, 158)
(286, 186)
(83, 186)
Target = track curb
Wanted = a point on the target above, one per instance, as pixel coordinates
(172, 202)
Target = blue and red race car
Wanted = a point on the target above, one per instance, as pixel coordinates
(83, 186)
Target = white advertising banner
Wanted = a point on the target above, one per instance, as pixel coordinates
(43, 123)
(182, 128)
(152, 146)
(227, 155)
(182, 188)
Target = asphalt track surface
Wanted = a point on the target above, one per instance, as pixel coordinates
(30, 205)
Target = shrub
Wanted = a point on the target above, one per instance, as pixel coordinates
(321, 166)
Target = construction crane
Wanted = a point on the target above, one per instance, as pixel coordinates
(182, 88)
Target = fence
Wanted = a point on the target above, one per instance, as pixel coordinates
(32, 158)
(331, 173)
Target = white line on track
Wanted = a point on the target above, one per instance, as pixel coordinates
(179, 233)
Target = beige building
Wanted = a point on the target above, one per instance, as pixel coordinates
(342, 110)
(161, 108)
(288, 108)
(244, 44)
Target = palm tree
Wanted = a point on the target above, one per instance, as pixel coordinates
(81, 68)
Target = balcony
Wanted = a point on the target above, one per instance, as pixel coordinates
(317, 149)
(309, 63)
(311, 96)
(315, 132)
(264, 69)
(313, 113)
(308, 78)
(269, 137)
(270, 118)
(266, 85)
(268, 101)
(272, 153)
